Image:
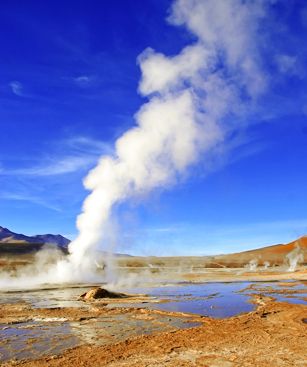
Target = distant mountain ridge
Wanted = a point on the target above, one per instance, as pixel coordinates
(12, 243)
(7, 236)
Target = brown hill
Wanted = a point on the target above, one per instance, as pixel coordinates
(275, 255)
(21, 248)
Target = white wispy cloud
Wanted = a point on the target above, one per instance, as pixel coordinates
(287, 64)
(16, 87)
(29, 198)
(85, 144)
(157, 230)
(83, 80)
(61, 166)
(64, 162)
(83, 153)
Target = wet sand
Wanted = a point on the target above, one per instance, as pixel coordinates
(64, 331)
(273, 335)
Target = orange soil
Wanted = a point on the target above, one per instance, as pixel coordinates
(273, 335)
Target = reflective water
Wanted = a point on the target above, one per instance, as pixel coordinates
(210, 299)
(38, 337)
(290, 291)
(47, 298)
(218, 300)
(33, 339)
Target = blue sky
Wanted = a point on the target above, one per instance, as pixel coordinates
(68, 87)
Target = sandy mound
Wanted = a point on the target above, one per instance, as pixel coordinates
(97, 293)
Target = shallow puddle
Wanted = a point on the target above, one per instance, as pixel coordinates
(218, 300)
(46, 298)
(33, 339)
(43, 336)
(211, 299)
(51, 336)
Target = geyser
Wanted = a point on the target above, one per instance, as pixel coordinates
(190, 97)
(196, 100)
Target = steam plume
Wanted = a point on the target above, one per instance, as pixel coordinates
(252, 265)
(294, 257)
(190, 95)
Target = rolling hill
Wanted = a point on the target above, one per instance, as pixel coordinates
(275, 255)
(16, 243)
(20, 245)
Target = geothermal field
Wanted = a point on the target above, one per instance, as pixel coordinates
(240, 309)
(166, 140)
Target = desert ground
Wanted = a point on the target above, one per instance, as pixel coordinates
(226, 310)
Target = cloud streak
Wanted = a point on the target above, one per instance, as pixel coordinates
(28, 198)
(84, 153)
(65, 165)
(288, 64)
(16, 88)
(83, 80)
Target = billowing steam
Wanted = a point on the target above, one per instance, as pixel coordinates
(195, 100)
(190, 94)
(252, 265)
(294, 257)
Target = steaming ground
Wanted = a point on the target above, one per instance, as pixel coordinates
(196, 103)
(119, 272)
(170, 318)
(57, 328)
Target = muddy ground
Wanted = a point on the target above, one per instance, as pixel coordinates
(104, 333)
(273, 335)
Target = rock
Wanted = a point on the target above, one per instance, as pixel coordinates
(97, 293)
